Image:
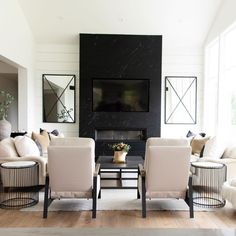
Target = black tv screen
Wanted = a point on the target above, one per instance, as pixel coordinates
(120, 95)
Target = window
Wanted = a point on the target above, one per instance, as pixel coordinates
(211, 87)
(220, 85)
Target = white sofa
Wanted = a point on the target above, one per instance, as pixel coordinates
(23, 148)
(217, 151)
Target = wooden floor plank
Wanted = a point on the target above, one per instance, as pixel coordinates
(221, 218)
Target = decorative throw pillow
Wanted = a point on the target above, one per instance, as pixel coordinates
(25, 146)
(7, 148)
(198, 144)
(52, 136)
(214, 148)
(43, 139)
(191, 134)
(232, 182)
(230, 152)
(55, 132)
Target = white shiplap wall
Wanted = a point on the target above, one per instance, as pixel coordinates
(182, 61)
(178, 61)
(56, 59)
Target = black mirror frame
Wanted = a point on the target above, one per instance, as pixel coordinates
(193, 83)
(74, 110)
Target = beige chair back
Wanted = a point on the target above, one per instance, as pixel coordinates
(72, 141)
(167, 165)
(71, 167)
(156, 141)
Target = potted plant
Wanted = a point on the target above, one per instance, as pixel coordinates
(120, 151)
(5, 127)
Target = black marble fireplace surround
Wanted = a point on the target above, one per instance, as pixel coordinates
(116, 57)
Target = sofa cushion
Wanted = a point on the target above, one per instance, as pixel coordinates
(7, 148)
(214, 148)
(230, 152)
(43, 139)
(197, 144)
(25, 146)
(232, 182)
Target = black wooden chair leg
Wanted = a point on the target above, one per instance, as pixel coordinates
(144, 210)
(94, 193)
(138, 194)
(191, 210)
(189, 198)
(45, 208)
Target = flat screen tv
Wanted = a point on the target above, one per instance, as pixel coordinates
(120, 95)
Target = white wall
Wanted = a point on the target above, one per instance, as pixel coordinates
(16, 48)
(179, 61)
(182, 61)
(225, 17)
(182, 54)
(56, 59)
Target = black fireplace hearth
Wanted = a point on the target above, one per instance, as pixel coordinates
(120, 90)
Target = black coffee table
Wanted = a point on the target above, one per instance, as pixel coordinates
(107, 166)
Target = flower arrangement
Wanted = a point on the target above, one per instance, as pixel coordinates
(120, 147)
(5, 100)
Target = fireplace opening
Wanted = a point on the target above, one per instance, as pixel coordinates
(105, 134)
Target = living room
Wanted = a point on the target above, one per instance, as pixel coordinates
(44, 37)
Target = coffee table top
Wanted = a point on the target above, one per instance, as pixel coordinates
(132, 162)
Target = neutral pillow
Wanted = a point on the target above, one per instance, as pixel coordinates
(43, 139)
(214, 148)
(230, 152)
(233, 182)
(191, 134)
(7, 148)
(25, 146)
(52, 136)
(198, 144)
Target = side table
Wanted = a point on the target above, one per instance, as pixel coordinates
(20, 180)
(208, 179)
(129, 167)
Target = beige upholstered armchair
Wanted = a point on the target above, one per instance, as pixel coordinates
(71, 171)
(166, 171)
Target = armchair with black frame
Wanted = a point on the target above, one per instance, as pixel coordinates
(72, 172)
(166, 172)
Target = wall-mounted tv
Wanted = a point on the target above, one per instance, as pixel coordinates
(120, 95)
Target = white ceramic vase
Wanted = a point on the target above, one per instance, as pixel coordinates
(5, 129)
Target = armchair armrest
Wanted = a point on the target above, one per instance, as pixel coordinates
(97, 169)
(141, 170)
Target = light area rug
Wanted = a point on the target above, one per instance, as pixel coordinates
(113, 200)
(114, 232)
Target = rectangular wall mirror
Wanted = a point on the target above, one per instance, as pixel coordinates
(58, 98)
(180, 99)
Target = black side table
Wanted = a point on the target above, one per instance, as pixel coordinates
(107, 166)
(208, 179)
(20, 180)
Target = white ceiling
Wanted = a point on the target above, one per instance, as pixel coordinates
(60, 21)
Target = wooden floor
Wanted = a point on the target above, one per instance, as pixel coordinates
(221, 218)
